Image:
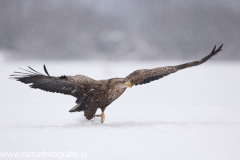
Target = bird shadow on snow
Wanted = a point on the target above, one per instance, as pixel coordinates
(82, 123)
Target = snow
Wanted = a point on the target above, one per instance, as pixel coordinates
(192, 114)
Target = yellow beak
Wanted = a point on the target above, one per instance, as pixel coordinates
(128, 84)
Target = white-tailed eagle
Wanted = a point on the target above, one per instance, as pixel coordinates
(93, 94)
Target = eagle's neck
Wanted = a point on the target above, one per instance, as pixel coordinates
(115, 92)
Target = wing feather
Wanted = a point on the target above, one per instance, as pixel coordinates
(144, 76)
(69, 85)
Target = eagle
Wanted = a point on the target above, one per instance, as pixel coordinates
(93, 94)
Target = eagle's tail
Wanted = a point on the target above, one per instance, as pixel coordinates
(81, 102)
(195, 63)
(77, 108)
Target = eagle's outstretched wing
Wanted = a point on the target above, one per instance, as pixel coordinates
(82, 87)
(144, 76)
(78, 86)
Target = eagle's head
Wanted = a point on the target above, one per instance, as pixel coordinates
(120, 82)
(128, 84)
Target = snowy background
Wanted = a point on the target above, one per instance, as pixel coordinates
(118, 29)
(192, 114)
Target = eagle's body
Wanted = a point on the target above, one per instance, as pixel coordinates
(93, 94)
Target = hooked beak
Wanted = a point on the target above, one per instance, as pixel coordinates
(128, 84)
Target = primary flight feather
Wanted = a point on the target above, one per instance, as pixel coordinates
(93, 94)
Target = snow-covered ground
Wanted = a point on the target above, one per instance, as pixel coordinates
(192, 114)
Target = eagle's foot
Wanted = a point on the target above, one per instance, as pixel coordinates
(102, 116)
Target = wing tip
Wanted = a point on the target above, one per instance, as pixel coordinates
(45, 70)
(215, 51)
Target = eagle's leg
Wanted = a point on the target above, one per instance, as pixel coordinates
(102, 115)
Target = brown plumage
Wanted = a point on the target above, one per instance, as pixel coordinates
(93, 94)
